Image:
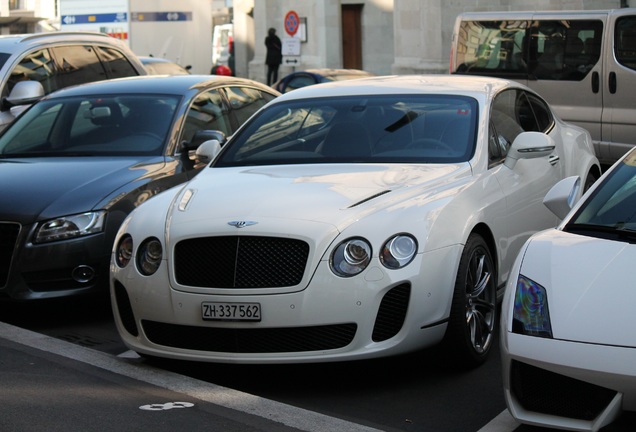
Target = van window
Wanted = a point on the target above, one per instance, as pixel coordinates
(564, 50)
(551, 49)
(487, 46)
(625, 37)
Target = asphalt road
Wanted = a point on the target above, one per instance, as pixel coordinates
(418, 392)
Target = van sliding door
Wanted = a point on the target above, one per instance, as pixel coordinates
(565, 65)
(619, 82)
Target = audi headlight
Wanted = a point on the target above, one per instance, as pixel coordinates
(531, 315)
(351, 257)
(124, 251)
(149, 256)
(398, 251)
(69, 227)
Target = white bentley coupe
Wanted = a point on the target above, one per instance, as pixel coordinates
(347, 220)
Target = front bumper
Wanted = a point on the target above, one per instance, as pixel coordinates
(57, 269)
(377, 313)
(567, 385)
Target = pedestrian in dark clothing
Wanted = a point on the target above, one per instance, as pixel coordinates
(274, 55)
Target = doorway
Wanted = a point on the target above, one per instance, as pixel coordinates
(352, 36)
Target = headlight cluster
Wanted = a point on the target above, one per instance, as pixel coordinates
(148, 257)
(353, 255)
(68, 227)
(531, 315)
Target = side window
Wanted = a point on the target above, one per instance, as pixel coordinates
(505, 117)
(207, 112)
(565, 50)
(115, 63)
(78, 65)
(246, 101)
(542, 113)
(36, 66)
(625, 41)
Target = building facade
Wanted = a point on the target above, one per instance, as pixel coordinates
(380, 36)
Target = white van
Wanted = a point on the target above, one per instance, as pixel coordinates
(582, 62)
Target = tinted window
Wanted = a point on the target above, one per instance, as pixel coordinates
(115, 125)
(78, 65)
(245, 102)
(383, 129)
(491, 46)
(298, 81)
(565, 50)
(207, 112)
(625, 41)
(115, 63)
(36, 66)
(554, 50)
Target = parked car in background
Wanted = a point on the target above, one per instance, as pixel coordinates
(308, 77)
(161, 66)
(347, 220)
(79, 160)
(58, 60)
(568, 345)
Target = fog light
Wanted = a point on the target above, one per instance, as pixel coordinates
(83, 274)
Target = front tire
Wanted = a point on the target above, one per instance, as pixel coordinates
(473, 315)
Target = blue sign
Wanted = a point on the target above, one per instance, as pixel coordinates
(95, 18)
(161, 16)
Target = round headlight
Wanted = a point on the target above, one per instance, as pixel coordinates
(149, 256)
(124, 251)
(351, 257)
(398, 251)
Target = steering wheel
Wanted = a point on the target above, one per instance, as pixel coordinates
(429, 144)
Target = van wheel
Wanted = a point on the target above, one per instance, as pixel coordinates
(473, 315)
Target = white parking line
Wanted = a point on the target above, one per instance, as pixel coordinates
(298, 418)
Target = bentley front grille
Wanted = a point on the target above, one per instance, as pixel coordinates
(240, 262)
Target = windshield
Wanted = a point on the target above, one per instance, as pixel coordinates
(368, 129)
(611, 211)
(91, 126)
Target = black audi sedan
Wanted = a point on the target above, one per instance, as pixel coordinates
(78, 161)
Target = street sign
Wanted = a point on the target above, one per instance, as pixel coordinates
(291, 60)
(292, 23)
(291, 46)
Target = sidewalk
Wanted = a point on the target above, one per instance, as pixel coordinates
(51, 385)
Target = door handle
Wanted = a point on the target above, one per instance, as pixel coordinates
(595, 82)
(612, 82)
(553, 159)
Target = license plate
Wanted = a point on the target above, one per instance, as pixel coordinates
(217, 311)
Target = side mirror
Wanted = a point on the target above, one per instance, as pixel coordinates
(25, 93)
(562, 196)
(529, 145)
(206, 152)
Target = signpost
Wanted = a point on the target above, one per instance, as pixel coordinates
(291, 44)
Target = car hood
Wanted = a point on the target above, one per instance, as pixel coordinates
(330, 194)
(590, 287)
(42, 188)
